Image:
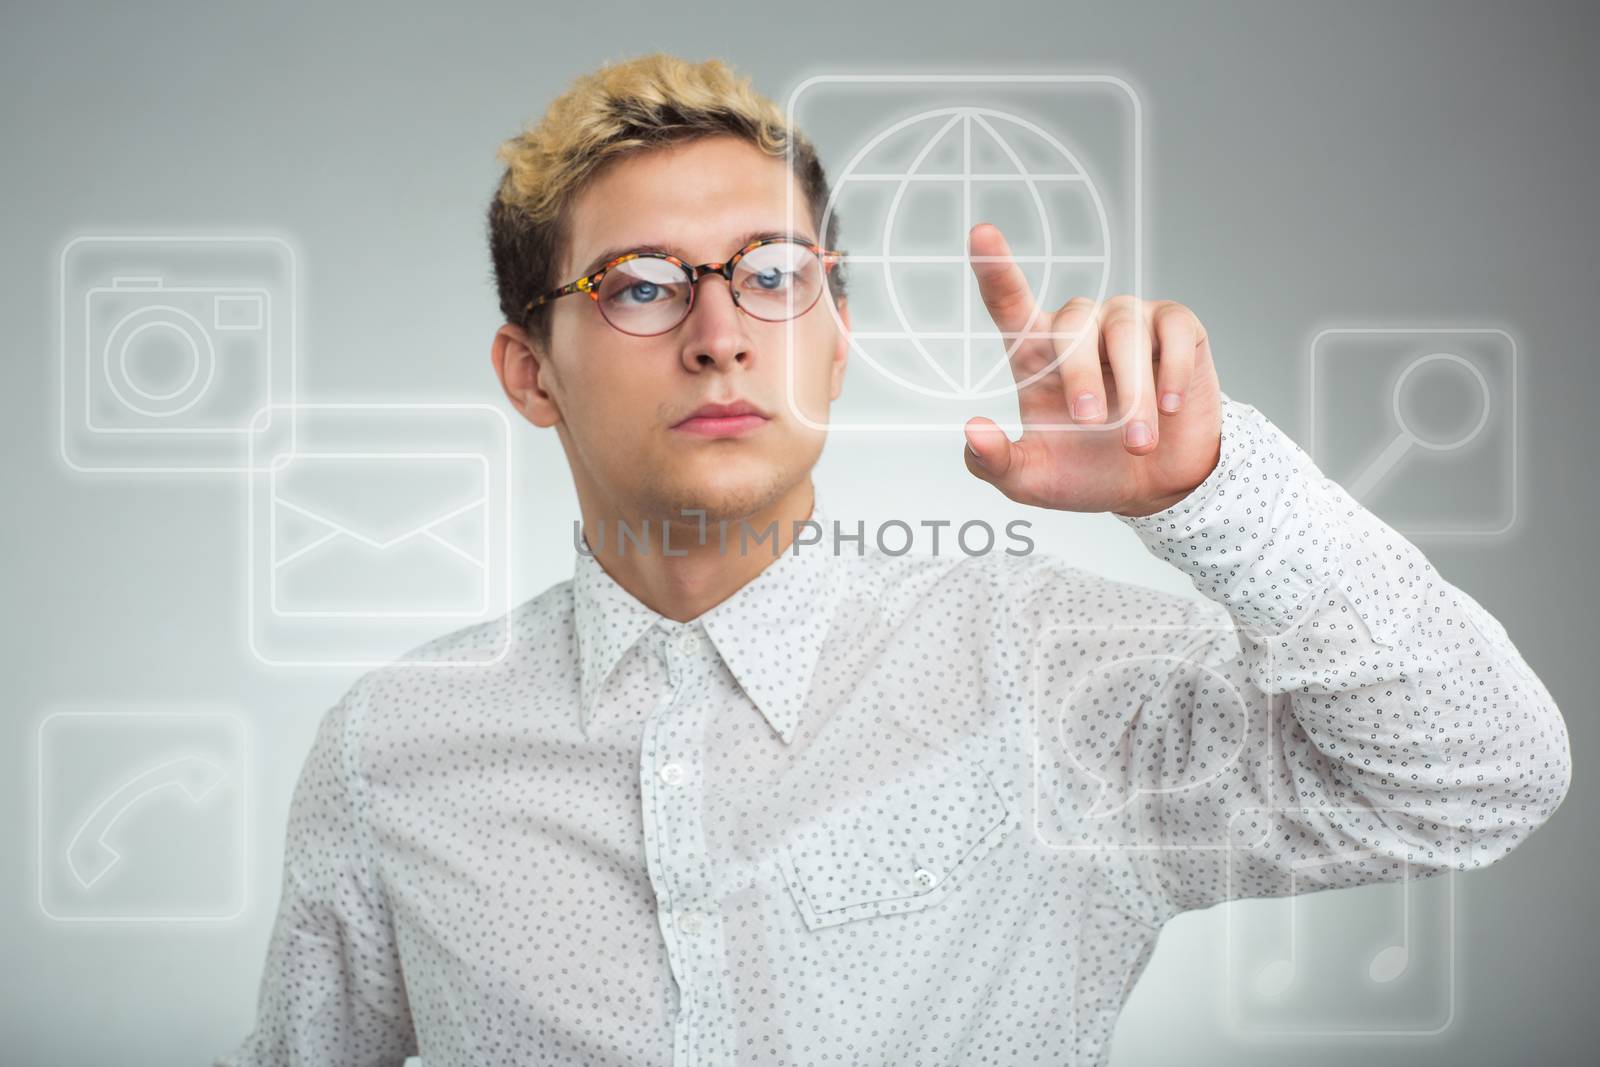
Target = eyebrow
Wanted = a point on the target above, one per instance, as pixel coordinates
(662, 246)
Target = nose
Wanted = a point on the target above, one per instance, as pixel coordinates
(715, 334)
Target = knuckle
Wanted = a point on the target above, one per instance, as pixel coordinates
(1120, 328)
(1179, 317)
(1071, 314)
(1005, 295)
(1173, 312)
(999, 302)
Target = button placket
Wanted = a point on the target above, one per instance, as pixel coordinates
(680, 870)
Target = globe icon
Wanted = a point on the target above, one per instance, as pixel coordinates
(983, 369)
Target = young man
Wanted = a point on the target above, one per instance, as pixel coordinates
(819, 806)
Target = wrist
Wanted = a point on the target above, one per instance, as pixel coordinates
(1145, 508)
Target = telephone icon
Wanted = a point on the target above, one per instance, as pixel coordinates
(142, 814)
(90, 854)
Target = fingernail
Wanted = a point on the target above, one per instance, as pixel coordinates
(1138, 434)
(1087, 406)
(974, 454)
(1170, 402)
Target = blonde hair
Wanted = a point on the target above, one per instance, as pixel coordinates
(624, 107)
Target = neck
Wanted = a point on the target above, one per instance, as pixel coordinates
(686, 578)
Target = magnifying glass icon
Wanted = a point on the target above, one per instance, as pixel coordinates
(1408, 438)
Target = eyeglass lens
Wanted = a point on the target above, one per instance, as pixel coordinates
(773, 282)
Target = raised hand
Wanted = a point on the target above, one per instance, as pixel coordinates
(1134, 379)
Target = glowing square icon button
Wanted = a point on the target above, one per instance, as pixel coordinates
(142, 815)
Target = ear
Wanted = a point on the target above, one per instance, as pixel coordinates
(523, 365)
(841, 351)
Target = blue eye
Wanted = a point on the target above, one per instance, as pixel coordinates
(644, 291)
(771, 278)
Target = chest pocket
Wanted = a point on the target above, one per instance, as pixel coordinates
(899, 848)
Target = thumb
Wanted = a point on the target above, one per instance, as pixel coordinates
(990, 453)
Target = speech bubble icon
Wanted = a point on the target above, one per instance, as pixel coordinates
(1150, 725)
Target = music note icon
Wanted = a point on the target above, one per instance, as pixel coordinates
(1277, 977)
(1377, 959)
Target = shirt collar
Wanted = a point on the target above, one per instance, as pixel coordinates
(769, 632)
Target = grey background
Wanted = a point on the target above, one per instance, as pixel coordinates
(1309, 166)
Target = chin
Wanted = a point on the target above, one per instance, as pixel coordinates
(731, 496)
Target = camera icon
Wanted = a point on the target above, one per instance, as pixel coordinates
(186, 356)
(169, 348)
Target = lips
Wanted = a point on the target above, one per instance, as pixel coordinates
(726, 411)
(724, 420)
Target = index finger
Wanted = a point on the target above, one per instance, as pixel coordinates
(1002, 284)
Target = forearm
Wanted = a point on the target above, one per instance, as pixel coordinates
(1404, 693)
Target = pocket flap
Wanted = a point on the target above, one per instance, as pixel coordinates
(899, 848)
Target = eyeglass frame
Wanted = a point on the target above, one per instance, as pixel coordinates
(590, 283)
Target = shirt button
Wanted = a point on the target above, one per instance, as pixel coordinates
(925, 878)
(672, 773)
(688, 642)
(690, 922)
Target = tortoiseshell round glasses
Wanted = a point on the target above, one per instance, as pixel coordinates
(647, 293)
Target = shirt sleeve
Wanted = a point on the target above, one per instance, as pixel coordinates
(1336, 714)
(331, 991)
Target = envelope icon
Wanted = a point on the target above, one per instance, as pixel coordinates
(364, 535)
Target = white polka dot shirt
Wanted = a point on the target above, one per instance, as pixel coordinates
(878, 809)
